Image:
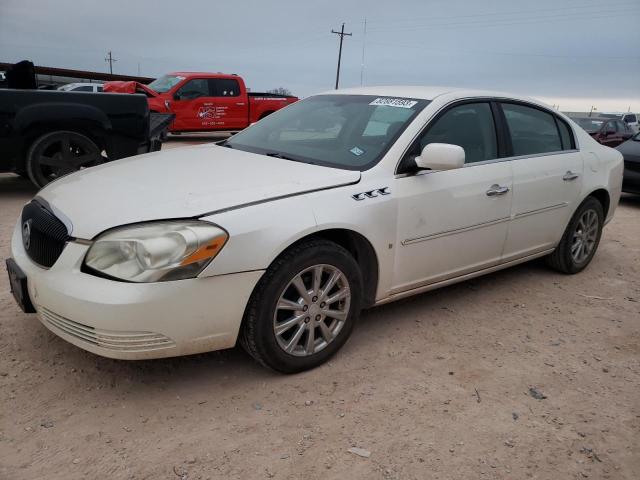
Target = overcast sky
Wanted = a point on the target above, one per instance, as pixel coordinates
(576, 53)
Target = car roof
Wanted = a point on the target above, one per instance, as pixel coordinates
(204, 74)
(428, 92)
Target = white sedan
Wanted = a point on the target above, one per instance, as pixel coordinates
(279, 236)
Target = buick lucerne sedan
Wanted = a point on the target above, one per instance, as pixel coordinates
(278, 237)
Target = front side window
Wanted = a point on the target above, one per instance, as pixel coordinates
(84, 88)
(470, 126)
(532, 131)
(351, 132)
(630, 118)
(196, 88)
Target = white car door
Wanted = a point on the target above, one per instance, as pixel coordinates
(453, 222)
(547, 178)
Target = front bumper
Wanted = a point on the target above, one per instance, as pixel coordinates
(135, 320)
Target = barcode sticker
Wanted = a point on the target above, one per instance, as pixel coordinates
(394, 102)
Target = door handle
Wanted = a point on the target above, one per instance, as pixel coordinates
(496, 190)
(567, 177)
(240, 104)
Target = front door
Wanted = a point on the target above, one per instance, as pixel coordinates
(453, 222)
(190, 102)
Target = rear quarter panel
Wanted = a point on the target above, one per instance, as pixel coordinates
(603, 169)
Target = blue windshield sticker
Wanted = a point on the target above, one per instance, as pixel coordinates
(357, 151)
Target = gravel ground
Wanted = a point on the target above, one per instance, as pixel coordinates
(439, 386)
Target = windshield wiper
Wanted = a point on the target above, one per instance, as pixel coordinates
(279, 155)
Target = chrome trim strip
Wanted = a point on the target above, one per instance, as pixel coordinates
(461, 278)
(541, 210)
(410, 241)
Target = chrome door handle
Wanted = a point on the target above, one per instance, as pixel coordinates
(496, 190)
(570, 176)
(240, 104)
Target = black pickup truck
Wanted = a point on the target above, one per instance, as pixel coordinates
(46, 134)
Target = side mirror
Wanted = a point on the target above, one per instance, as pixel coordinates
(441, 156)
(609, 131)
(176, 96)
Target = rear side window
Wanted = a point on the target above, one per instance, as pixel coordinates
(565, 135)
(224, 87)
(630, 118)
(84, 88)
(532, 131)
(100, 89)
(470, 126)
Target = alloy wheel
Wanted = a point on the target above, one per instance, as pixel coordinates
(585, 236)
(312, 310)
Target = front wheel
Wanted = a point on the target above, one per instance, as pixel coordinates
(580, 240)
(304, 308)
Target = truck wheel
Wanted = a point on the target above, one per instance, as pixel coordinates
(304, 308)
(56, 154)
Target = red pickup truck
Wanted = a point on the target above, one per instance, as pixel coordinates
(205, 101)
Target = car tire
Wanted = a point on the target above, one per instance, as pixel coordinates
(580, 239)
(59, 153)
(281, 329)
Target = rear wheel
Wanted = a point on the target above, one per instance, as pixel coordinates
(580, 240)
(56, 154)
(304, 308)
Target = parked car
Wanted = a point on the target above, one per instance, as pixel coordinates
(81, 87)
(279, 236)
(205, 101)
(610, 132)
(631, 119)
(45, 134)
(631, 152)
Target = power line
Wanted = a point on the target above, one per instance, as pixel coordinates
(497, 14)
(109, 59)
(503, 22)
(342, 35)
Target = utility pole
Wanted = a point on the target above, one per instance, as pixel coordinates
(342, 35)
(109, 59)
(364, 39)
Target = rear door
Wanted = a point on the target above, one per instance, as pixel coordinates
(229, 109)
(547, 178)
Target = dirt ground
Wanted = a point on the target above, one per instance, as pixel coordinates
(432, 387)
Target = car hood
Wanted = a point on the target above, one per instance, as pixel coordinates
(630, 150)
(180, 183)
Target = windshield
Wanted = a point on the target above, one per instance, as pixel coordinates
(591, 125)
(344, 131)
(165, 83)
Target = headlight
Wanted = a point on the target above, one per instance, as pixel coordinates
(156, 251)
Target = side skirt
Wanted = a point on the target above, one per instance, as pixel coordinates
(462, 278)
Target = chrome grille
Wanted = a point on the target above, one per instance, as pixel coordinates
(112, 340)
(44, 236)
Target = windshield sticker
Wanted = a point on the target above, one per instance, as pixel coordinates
(394, 102)
(357, 151)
